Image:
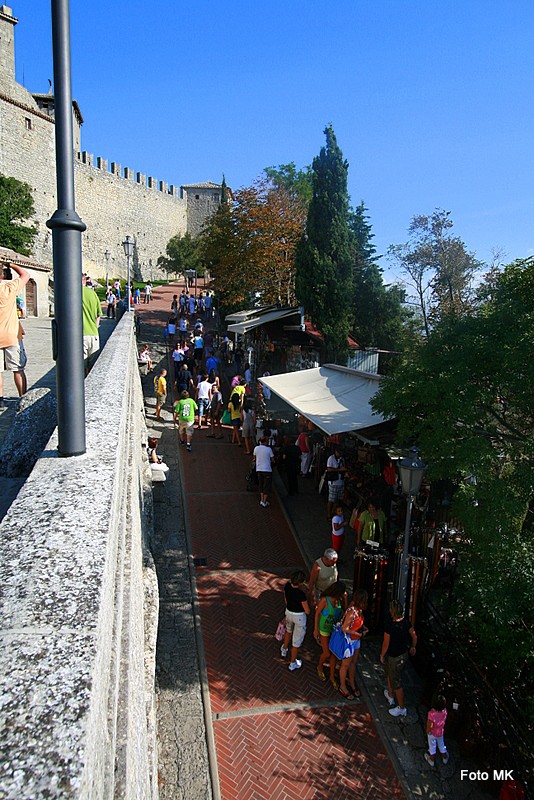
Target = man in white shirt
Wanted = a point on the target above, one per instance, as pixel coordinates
(203, 398)
(335, 475)
(263, 460)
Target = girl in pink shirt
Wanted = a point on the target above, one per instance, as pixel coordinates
(435, 727)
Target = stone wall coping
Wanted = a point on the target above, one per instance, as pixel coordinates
(58, 562)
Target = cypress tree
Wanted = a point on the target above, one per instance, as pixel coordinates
(324, 261)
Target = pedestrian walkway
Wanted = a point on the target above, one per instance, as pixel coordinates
(278, 734)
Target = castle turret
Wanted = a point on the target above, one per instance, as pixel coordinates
(7, 47)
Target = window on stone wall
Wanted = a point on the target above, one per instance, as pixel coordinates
(197, 197)
(216, 198)
(28, 123)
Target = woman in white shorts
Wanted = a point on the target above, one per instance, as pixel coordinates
(297, 609)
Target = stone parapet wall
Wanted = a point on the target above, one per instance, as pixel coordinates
(79, 606)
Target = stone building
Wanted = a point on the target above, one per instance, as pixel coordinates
(113, 201)
(37, 294)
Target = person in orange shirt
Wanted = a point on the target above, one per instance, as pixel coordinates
(10, 328)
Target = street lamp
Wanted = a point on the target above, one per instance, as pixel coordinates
(411, 471)
(128, 252)
(107, 254)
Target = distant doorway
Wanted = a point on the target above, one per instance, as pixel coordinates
(31, 298)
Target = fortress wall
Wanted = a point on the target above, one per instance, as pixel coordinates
(79, 606)
(113, 207)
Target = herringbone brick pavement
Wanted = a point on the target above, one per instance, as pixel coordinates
(320, 754)
(240, 612)
(278, 734)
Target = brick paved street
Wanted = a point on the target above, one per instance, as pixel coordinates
(271, 733)
(278, 734)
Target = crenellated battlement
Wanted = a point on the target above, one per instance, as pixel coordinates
(127, 174)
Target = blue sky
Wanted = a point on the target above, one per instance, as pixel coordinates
(431, 101)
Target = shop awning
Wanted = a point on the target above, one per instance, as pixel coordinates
(336, 399)
(260, 319)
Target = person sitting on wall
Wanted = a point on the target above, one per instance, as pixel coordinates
(144, 357)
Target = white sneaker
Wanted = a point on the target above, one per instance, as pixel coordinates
(429, 760)
(445, 758)
(297, 664)
(284, 651)
(389, 698)
(398, 711)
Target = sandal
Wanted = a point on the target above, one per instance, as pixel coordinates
(320, 673)
(346, 695)
(334, 683)
(356, 692)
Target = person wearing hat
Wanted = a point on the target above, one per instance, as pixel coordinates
(324, 573)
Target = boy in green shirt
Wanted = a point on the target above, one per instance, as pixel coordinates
(184, 412)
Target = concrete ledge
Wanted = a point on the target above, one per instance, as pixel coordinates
(79, 606)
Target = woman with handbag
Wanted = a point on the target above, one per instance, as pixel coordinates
(354, 629)
(328, 611)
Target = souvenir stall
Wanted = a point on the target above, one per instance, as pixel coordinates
(274, 339)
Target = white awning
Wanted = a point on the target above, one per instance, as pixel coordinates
(336, 399)
(254, 322)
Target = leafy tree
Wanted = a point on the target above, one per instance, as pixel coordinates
(378, 311)
(183, 252)
(465, 397)
(250, 246)
(16, 207)
(296, 181)
(222, 248)
(324, 261)
(270, 220)
(438, 266)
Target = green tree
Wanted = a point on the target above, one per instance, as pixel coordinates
(296, 181)
(222, 250)
(16, 207)
(438, 266)
(465, 397)
(378, 311)
(249, 246)
(324, 261)
(183, 252)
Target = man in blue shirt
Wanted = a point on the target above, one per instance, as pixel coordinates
(213, 363)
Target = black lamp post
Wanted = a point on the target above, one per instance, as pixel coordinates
(128, 252)
(411, 471)
(66, 227)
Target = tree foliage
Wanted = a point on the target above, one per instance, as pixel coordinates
(438, 267)
(250, 246)
(296, 181)
(16, 207)
(465, 398)
(324, 259)
(183, 252)
(378, 314)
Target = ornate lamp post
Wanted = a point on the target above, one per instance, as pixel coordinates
(411, 471)
(128, 252)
